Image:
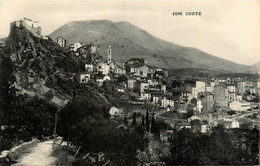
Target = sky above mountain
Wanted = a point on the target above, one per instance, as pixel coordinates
(227, 29)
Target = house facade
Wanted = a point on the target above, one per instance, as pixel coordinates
(239, 106)
(61, 41)
(83, 77)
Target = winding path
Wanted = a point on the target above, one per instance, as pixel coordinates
(40, 155)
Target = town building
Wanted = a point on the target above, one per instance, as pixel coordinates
(200, 87)
(100, 78)
(252, 90)
(75, 46)
(29, 24)
(221, 95)
(113, 111)
(156, 97)
(239, 97)
(207, 101)
(133, 66)
(241, 86)
(133, 69)
(143, 71)
(203, 128)
(61, 41)
(103, 68)
(89, 67)
(143, 86)
(229, 123)
(231, 93)
(83, 77)
(146, 95)
(131, 82)
(239, 106)
(198, 105)
(167, 101)
(152, 82)
(109, 54)
(119, 70)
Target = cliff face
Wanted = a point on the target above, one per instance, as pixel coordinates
(42, 67)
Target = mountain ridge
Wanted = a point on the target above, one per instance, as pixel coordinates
(128, 40)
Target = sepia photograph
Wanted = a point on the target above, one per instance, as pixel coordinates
(129, 83)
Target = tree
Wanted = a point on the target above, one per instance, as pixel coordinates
(153, 125)
(190, 111)
(134, 119)
(147, 122)
(142, 124)
(125, 121)
(235, 147)
(231, 112)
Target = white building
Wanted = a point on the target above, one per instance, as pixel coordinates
(89, 67)
(115, 111)
(74, 47)
(143, 86)
(239, 106)
(230, 123)
(199, 106)
(200, 87)
(104, 68)
(231, 93)
(29, 25)
(239, 97)
(252, 90)
(212, 86)
(61, 41)
(203, 128)
(153, 82)
(101, 78)
(167, 102)
(83, 77)
(109, 54)
(146, 96)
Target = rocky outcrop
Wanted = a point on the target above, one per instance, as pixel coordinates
(39, 66)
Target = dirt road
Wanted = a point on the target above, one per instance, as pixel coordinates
(40, 155)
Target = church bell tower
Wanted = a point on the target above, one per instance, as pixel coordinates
(109, 54)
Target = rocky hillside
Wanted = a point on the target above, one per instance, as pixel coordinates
(129, 41)
(42, 68)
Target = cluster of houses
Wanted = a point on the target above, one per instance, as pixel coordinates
(205, 98)
(136, 74)
(205, 95)
(212, 99)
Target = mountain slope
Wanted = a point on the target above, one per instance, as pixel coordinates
(129, 41)
(256, 67)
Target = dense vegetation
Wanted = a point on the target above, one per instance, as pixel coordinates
(221, 147)
(86, 123)
(22, 117)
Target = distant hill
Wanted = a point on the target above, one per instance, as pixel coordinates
(256, 67)
(129, 41)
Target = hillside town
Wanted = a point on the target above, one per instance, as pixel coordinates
(218, 100)
(197, 104)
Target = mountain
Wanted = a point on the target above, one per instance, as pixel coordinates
(129, 41)
(256, 67)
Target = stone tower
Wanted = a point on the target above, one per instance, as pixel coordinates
(109, 54)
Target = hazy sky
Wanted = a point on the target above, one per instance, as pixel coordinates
(227, 29)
